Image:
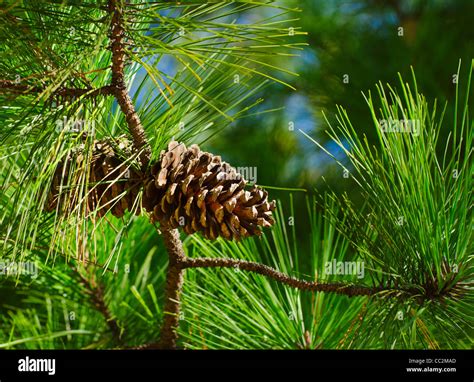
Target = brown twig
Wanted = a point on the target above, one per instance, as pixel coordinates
(96, 292)
(174, 285)
(8, 86)
(249, 266)
(117, 33)
(99, 302)
(174, 246)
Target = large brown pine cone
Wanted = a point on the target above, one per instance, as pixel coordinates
(199, 192)
(112, 184)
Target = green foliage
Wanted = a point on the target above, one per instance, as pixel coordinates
(230, 309)
(209, 45)
(413, 232)
(100, 282)
(59, 308)
(411, 236)
(47, 46)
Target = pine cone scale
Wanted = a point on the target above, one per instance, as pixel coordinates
(109, 180)
(199, 192)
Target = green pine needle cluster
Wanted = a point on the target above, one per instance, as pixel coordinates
(100, 282)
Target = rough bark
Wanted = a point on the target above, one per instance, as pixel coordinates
(338, 288)
(135, 127)
(174, 285)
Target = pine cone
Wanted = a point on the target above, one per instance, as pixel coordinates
(112, 184)
(199, 192)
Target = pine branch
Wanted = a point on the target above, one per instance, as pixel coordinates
(264, 270)
(118, 83)
(99, 303)
(174, 285)
(174, 278)
(8, 86)
(96, 292)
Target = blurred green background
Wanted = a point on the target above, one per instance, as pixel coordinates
(351, 46)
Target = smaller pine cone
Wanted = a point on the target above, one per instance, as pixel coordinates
(199, 192)
(112, 185)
